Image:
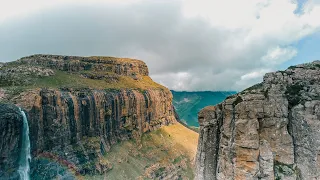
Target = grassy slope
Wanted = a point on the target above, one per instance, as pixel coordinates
(188, 104)
(22, 76)
(63, 79)
(172, 145)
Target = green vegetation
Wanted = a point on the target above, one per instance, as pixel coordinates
(292, 67)
(156, 155)
(254, 87)
(109, 58)
(293, 94)
(312, 66)
(48, 169)
(196, 129)
(63, 79)
(285, 170)
(41, 71)
(238, 100)
(168, 152)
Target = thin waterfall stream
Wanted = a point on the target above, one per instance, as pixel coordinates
(25, 156)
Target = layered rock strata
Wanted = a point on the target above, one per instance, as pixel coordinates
(64, 122)
(78, 125)
(268, 131)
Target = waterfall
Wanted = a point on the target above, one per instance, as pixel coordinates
(25, 156)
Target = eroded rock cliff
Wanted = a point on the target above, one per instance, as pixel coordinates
(268, 131)
(10, 141)
(78, 107)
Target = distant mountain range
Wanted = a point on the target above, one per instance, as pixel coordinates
(188, 104)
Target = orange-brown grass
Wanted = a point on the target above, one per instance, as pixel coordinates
(65, 79)
(184, 137)
(173, 145)
(116, 59)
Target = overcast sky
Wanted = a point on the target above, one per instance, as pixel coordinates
(187, 45)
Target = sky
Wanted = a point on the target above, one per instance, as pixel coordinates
(188, 45)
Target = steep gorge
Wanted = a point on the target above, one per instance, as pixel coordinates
(268, 131)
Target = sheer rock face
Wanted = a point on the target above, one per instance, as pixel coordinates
(74, 125)
(86, 123)
(269, 131)
(11, 123)
(112, 116)
(80, 126)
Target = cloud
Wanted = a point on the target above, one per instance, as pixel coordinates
(18, 8)
(277, 55)
(251, 78)
(188, 45)
(254, 74)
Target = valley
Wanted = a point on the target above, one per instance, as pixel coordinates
(167, 153)
(104, 118)
(188, 104)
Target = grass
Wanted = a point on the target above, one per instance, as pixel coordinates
(108, 58)
(63, 79)
(170, 146)
(88, 59)
(101, 80)
(184, 137)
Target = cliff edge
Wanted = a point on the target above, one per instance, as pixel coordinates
(268, 131)
(78, 107)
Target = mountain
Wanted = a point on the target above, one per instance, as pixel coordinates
(188, 104)
(78, 111)
(268, 131)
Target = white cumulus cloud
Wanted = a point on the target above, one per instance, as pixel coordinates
(277, 55)
(187, 44)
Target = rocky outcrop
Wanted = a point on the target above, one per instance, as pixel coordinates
(268, 131)
(10, 76)
(10, 141)
(119, 66)
(76, 124)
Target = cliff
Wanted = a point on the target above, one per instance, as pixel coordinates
(10, 141)
(78, 107)
(166, 153)
(120, 66)
(268, 131)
